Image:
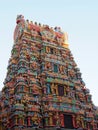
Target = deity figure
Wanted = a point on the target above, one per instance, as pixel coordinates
(62, 120)
(54, 89)
(21, 119)
(50, 106)
(35, 89)
(46, 119)
(79, 121)
(35, 119)
(34, 65)
(31, 25)
(81, 96)
(50, 119)
(61, 69)
(57, 118)
(67, 90)
(47, 49)
(48, 65)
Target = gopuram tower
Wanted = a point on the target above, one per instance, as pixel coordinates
(43, 88)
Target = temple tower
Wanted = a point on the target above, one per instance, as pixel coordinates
(43, 88)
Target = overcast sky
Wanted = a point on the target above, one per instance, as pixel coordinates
(77, 17)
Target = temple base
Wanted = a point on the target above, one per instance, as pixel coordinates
(52, 129)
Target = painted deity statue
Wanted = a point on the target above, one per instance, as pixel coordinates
(35, 119)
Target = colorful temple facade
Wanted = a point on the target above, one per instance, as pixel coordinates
(43, 88)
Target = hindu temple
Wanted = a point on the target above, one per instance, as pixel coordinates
(43, 88)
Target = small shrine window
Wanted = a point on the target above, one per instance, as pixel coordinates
(30, 90)
(22, 70)
(60, 90)
(22, 88)
(33, 58)
(0, 108)
(41, 68)
(51, 51)
(91, 127)
(55, 68)
(44, 49)
(68, 121)
(97, 125)
(48, 88)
